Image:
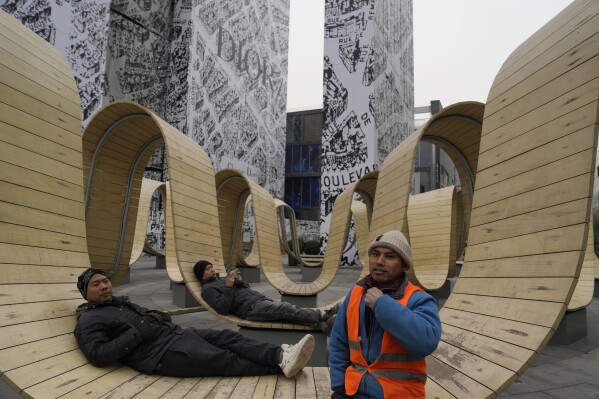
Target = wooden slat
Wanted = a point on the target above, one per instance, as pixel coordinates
(36, 351)
(128, 385)
(148, 187)
(523, 334)
(455, 381)
(64, 383)
(585, 286)
(434, 248)
(523, 181)
(265, 388)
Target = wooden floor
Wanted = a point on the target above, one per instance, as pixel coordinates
(526, 160)
(310, 383)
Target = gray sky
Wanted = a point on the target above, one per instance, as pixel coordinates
(459, 46)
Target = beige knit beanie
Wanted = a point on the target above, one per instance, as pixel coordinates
(396, 241)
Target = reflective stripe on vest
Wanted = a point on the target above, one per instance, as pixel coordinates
(395, 374)
(400, 374)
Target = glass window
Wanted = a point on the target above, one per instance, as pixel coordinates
(315, 191)
(314, 150)
(305, 163)
(294, 128)
(296, 195)
(288, 190)
(305, 192)
(288, 159)
(296, 159)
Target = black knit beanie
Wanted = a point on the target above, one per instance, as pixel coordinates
(199, 268)
(84, 278)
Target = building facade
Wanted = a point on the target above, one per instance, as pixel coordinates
(216, 70)
(368, 92)
(433, 168)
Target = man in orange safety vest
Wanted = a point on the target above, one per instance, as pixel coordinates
(384, 329)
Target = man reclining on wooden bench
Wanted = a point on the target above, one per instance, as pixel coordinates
(111, 329)
(232, 295)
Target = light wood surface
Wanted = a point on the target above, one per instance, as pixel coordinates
(43, 241)
(457, 130)
(435, 227)
(530, 213)
(585, 286)
(532, 162)
(293, 251)
(46, 244)
(233, 190)
(140, 244)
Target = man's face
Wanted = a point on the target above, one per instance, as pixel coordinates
(99, 289)
(386, 266)
(209, 272)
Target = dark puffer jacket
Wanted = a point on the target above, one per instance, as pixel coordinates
(235, 300)
(119, 330)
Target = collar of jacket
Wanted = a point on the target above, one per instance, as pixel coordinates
(209, 280)
(116, 301)
(396, 292)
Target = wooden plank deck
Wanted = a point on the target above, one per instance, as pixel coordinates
(531, 170)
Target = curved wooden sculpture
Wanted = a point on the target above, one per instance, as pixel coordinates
(232, 195)
(456, 129)
(233, 190)
(529, 223)
(140, 244)
(583, 292)
(42, 238)
(43, 235)
(361, 212)
(530, 216)
(292, 251)
(435, 227)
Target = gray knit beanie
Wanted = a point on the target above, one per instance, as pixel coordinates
(396, 241)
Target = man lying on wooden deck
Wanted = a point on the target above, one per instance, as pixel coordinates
(111, 329)
(231, 295)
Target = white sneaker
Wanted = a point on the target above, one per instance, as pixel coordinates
(296, 356)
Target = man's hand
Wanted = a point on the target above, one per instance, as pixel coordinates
(238, 279)
(230, 280)
(371, 296)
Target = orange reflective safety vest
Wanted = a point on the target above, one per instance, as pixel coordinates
(400, 374)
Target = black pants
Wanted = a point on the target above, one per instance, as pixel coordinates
(266, 310)
(203, 353)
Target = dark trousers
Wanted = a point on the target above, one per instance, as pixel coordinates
(203, 353)
(266, 310)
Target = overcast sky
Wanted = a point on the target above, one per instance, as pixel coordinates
(459, 46)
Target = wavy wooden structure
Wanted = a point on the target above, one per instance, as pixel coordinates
(233, 190)
(528, 232)
(140, 244)
(435, 226)
(293, 251)
(585, 286)
(530, 215)
(43, 235)
(361, 212)
(457, 130)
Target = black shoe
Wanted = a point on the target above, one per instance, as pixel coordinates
(331, 312)
(327, 325)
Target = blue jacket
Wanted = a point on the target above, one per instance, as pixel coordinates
(416, 327)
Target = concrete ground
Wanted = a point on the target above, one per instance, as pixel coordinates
(561, 371)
